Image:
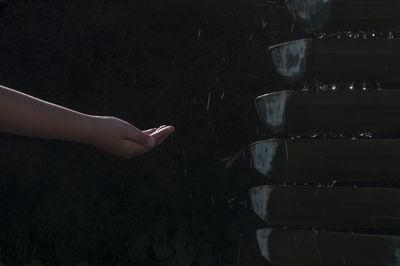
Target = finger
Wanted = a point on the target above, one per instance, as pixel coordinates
(160, 127)
(152, 130)
(161, 134)
(162, 139)
(140, 137)
(149, 131)
(161, 130)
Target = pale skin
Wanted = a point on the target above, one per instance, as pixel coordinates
(26, 115)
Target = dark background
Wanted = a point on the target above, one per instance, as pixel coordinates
(150, 62)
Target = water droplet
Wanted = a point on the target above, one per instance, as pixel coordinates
(264, 24)
(321, 35)
(208, 102)
(323, 87)
(349, 34)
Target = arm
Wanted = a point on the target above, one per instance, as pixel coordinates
(25, 115)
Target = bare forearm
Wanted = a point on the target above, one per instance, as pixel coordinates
(28, 116)
(25, 115)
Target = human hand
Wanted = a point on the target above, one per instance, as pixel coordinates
(121, 138)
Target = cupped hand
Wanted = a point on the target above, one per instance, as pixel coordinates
(121, 138)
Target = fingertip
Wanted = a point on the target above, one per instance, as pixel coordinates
(169, 128)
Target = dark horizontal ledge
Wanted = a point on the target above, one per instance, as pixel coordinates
(338, 60)
(307, 112)
(336, 15)
(327, 207)
(309, 248)
(324, 161)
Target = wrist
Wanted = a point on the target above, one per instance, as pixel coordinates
(90, 124)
